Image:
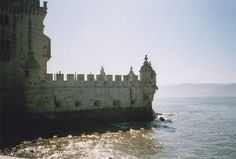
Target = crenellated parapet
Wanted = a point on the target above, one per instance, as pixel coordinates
(147, 79)
(89, 78)
(102, 77)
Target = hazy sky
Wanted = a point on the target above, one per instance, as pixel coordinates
(186, 40)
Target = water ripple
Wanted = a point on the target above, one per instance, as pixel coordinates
(121, 144)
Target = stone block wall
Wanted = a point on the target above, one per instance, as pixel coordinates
(59, 96)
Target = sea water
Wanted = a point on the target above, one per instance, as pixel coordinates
(203, 127)
(200, 127)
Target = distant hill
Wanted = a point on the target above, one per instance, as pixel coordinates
(197, 90)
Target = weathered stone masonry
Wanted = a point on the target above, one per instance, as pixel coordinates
(28, 93)
(76, 94)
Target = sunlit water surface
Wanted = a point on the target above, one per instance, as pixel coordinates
(195, 128)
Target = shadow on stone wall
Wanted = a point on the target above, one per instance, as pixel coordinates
(17, 126)
(12, 113)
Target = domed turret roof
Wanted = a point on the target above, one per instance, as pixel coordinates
(131, 72)
(146, 65)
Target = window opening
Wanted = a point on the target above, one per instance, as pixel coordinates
(97, 103)
(27, 73)
(116, 103)
(78, 103)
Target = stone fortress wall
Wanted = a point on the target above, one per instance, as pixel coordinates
(55, 94)
(35, 102)
(28, 91)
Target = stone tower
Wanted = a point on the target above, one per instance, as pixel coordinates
(148, 79)
(23, 44)
(147, 74)
(24, 52)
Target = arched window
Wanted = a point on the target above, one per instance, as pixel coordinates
(6, 20)
(1, 19)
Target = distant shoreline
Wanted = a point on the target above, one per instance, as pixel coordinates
(197, 90)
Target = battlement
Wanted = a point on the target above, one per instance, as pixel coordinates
(89, 78)
(147, 76)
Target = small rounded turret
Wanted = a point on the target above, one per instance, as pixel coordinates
(148, 79)
(102, 71)
(131, 75)
(147, 74)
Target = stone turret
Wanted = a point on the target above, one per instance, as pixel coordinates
(102, 71)
(147, 74)
(102, 75)
(131, 75)
(24, 52)
(148, 79)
